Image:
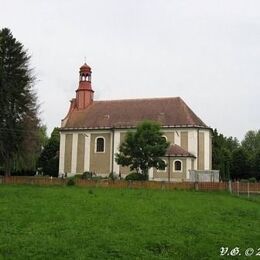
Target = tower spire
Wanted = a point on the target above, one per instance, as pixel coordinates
(84, 93)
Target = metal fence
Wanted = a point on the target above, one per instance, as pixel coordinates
(204, 176)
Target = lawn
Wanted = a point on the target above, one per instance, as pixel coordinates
(99, 223)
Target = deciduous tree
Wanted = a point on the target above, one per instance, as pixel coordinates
(49, 158)
(143, 148)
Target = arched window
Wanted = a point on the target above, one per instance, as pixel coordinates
(177, 166)
(164, 137)
(163, 169)
(100, 145)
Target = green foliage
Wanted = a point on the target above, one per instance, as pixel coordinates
(252, 179)
(143, 148)
(222, 148)
(134, 176)
(236, 160)
(19, 122)
(251, 142)
(240, 164)
(49, 158)
(112, 176)
(95, 223)
(43, 137)
(88, 175)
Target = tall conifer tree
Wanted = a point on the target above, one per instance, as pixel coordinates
(19, 132)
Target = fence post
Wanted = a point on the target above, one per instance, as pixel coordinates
(248, 189)
(237, 188)
(196, 185)
(229, 186)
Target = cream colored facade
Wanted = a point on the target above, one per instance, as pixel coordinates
(78, 152)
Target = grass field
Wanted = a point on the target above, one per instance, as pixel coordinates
(83, 223)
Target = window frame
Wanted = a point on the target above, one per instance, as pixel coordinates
(96, 139)
(164, 136)
(174, 169)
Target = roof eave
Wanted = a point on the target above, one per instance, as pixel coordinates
(128, 127)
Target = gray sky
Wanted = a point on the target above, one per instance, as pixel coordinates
(207, 52)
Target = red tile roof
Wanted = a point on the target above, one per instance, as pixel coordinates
(176, 150)
(128, 113)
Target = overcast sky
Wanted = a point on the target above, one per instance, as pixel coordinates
(207, 52)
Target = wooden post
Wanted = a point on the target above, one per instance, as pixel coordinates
(248, 189)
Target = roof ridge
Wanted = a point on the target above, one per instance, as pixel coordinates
(137, 99)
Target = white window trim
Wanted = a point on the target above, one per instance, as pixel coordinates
(165, 169)
(96, 144)
(174, 166)
(164, 136)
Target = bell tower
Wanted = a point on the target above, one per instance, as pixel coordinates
(84, 93)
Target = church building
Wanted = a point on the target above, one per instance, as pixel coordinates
(92, 131)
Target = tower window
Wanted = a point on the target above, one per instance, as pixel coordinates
(177, 166)
(100, 145)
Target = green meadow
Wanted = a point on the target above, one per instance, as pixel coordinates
(101, 223)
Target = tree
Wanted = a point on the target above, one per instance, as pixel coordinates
(222, 148)
(257, 165)
(251, 144)
(143, 148)
(19, 122)
(25, 163)
(225, 164)
(240, 164)
(49, 158)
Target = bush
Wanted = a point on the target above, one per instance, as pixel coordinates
(88, 175)
(252, 179)
(71, 182)
(112, 176)
(134, 176)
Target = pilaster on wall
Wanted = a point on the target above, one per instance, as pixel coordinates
(192, 142)
(74, 153)
(207, 150)
(87, 152)
(177, 137)
(116, 148)
(62, 153)
(188, 168)
(193, 145)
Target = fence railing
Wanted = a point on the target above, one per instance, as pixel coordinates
(234, 187)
